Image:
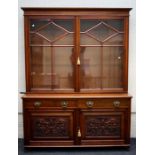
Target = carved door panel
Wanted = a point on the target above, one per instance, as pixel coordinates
(51, 127)
(102, 126)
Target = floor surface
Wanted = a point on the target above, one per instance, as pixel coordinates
(78, 151)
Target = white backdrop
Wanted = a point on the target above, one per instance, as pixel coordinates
(79, 3)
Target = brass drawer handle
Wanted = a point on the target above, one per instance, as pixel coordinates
(64, 104)
(89, 104)
(116, 104)
(37, 104)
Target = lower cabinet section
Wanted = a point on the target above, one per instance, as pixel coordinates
(77, 122)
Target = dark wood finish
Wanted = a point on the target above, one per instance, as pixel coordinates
(126, 40)
(75, 116)
(77, 44)
(48, 123)
(27, 53)
(42, 120)
(75, 96)
(102, 125)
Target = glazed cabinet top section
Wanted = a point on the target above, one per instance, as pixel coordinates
(76, 50)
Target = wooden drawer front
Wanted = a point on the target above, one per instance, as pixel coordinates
(49, 126)
(44, 103)
(104, 103)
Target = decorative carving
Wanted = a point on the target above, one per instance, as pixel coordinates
(103, 126)
(51, 127)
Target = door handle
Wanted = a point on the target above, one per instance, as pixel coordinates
(79, 133)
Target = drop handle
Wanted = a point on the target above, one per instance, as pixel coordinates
(64, 104)
(116, 104)
(89, 104)
(37, 104)
(78, 61)
(79, 133)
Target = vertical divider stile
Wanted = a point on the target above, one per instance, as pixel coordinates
(77, 53)
(102, 79)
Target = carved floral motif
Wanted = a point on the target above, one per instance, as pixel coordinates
(103, 126)
(50, 127)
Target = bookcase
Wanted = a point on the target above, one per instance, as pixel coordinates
(76, 77)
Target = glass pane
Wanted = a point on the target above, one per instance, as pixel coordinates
(101, 67)
(116, 40)
(87, 40)
(66, 40)
(52, 68)
(112, 67)
(49, 31)
(90, 67)
(38, 40)
(35, 24)
(65, 23)
(116, 23)
(63, 67)
(101, 32)
(86, 24)
(41, 67)
(93, 31)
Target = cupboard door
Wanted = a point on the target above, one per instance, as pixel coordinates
(49, 127)
(51, 52)
(103, 127)
(101, 54)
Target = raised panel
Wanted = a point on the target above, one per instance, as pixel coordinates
(52, 127)
(49, 125)
(102, 125)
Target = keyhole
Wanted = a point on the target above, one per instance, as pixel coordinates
(119, 58)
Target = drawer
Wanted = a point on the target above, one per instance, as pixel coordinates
(44, 103)
(104, 103)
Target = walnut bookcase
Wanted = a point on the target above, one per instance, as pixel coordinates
(76, 77)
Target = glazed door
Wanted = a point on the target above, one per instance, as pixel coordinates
(102, 126)
(77, 54)
(102, 54)
(51, 46)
